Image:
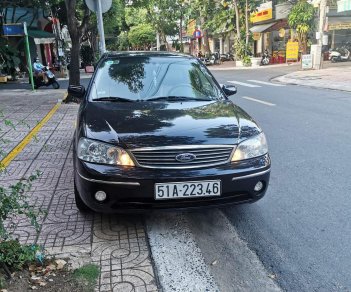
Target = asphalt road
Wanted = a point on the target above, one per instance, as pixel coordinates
(301, 230)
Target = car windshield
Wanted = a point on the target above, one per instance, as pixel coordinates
(156, 78)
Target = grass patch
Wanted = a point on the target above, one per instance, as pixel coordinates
(86, 276)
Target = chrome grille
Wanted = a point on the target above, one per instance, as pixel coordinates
(165, 157)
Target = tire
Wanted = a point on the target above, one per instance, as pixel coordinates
(333, 60)
(82, 207)
(55, 85)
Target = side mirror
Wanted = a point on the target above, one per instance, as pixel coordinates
(77, 91)
(229, 90)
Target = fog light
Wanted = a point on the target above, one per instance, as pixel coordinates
(100, 196)
(258, 186)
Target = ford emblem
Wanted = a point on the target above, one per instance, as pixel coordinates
(185, 157)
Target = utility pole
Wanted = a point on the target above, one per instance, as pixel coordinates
(322, 19)
(101, 28)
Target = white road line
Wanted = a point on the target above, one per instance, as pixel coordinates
(266, 83)
(258, 100)
(243, 83)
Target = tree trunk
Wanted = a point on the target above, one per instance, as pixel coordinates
(206, 46)
(76, 30)
(72, 24)
(237, 19)
(74, 73)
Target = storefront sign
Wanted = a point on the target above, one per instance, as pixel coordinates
(306, 61)
(256, 36)
(191, 27)
(292, 50)
(337, 26)
(344, 5)
(13, 29)
(264, 12)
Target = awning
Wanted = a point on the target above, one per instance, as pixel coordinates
(41, 37)
(261, 27)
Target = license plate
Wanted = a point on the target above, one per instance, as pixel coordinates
(188, 189)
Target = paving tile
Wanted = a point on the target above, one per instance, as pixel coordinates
(15, 171)
(118, 244)
(63, 209)
(50, 173)
(65, 234)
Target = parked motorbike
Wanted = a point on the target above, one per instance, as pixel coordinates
(227, 57)
(265, 58)
(39, 81)
(339, 55)
(215, 59)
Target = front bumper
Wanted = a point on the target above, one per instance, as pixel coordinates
(132, 188)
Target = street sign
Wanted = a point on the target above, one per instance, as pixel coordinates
(197, 34)
(306, 61)
(93, 5)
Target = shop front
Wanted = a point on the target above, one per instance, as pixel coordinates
(271, 31)
(339, 32)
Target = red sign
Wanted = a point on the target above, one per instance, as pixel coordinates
(197, 34)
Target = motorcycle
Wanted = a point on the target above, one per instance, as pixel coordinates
(39, 81)
(265, 58)
(227, 57)
(339, 55)
(215, 59)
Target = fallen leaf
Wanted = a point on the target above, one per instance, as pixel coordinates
(35, 279)
(52, 267)
(34, 287)
(214, 263)
(32, 268)
(60, 264)
(42, 283)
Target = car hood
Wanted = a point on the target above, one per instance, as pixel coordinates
(153, 124)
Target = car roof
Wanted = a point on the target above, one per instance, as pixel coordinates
(145, 54)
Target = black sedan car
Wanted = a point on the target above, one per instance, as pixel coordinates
(156, 131)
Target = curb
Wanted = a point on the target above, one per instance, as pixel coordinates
(252, 68)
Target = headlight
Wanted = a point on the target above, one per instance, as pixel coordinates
(98, 152)
(250, 148)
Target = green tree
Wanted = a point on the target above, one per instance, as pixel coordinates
(162, 15)
(78, 16)
(141, 36)
(301, 18)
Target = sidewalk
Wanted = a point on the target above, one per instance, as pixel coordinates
(230, 65)
(338, 78)
(117, 244)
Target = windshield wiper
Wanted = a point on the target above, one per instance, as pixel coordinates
(113, 99)
(176, 98)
